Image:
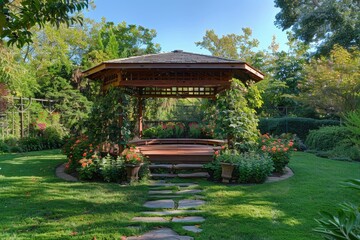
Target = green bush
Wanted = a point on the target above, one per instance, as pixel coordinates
(4, 148)
(298, 126)
(253, 167)
(326, 138)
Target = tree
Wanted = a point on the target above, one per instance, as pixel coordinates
(17, 17)
(323, 22)
(109, 41)
(331, 84)
(231, 45)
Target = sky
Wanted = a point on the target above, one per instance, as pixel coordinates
(181, 23)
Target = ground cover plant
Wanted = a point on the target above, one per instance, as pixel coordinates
(36, 205)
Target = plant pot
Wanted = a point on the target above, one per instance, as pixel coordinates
(226, 173)
(132, 171)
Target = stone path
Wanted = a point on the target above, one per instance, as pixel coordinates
(60, 173)
(177, 203)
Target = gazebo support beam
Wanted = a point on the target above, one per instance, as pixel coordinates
(140, 116)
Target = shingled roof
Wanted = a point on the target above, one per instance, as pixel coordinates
(177, 56)
(176, 60)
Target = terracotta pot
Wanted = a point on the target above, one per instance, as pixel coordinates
(132, 171)
(226, 173)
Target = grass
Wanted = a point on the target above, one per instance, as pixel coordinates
(34, 204)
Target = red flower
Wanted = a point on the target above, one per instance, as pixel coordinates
(216, 153)
(84, 154)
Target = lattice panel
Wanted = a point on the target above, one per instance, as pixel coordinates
(196, 92)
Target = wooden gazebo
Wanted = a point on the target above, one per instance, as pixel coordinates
(176, 74)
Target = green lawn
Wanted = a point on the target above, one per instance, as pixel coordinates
(34, 204)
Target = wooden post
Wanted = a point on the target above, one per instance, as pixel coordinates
(140, 116)
(121, 122)
(22, 131)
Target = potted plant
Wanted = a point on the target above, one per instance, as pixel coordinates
(228, 161)
(133, 159)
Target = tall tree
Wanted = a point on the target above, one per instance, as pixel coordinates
(109, 41)
(332, 83)
(18, 16)
(322, 22)
(231, 45)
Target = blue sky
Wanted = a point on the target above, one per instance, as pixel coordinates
(181, 23)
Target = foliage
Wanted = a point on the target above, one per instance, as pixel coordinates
(230, 46)
(112, 169)
(279, 149)
(103, 122)
(4, 148)
(352, 123)
(77, 148)
(253, 167)
(296, 125)
(323, 22)
(343, 225)
(17, 17)
(332, 84)
(194, 130)
(235, 118)
(326, 138)
(179, 130)
(109, 41)
(132, 156)
(87, 169)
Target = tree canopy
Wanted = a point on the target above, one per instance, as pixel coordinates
(17, 17)
(322, 22)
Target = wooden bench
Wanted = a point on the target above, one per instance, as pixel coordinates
(178, 151)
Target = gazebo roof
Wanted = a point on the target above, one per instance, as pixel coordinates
(177, 60)
(173, 74)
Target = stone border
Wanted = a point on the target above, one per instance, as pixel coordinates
(60, 173)
(288, 173)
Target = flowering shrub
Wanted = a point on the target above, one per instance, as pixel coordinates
(88, 169)
(132, 156)
(77, 148)
(279, 150)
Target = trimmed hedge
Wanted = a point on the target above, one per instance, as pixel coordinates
(326, 138)
(297, 125)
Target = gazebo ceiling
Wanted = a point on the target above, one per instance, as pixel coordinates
(173, 74)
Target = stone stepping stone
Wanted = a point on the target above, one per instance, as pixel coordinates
(183, 204)
(188, 219)
(188, 191)
(149, 219)
(168, 203)
(160, 192)
(193, 229)
(167, 196)
(162, 184)
(171, 212)
(161, 234)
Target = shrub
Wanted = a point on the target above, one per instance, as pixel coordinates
(4, 148)
(77, 148)
(326, 138)
(194, 130)
(251, 167)
(296, 125)
(254, 167)
(279, 149)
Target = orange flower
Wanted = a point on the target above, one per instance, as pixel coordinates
(263, 148)
(83, 164)
(222, 147)
(286, 149)
(84, 154)
(273, 149)
(91, 150)
(90, 161)
(291, 144)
